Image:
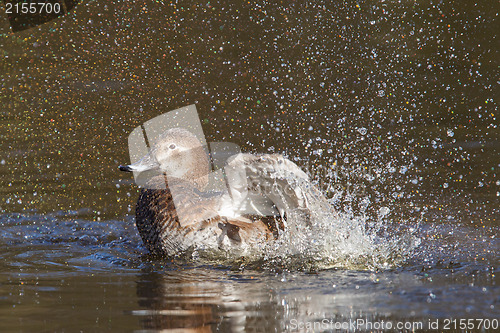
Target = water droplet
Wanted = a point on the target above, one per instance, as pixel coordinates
(362, 130)
(383, 211)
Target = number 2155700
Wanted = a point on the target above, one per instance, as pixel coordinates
(470, 324)
(33, 8)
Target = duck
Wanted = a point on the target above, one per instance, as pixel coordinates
(177, 211)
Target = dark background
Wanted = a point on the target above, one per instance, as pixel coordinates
(394, 102)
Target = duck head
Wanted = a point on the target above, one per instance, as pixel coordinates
(178, 154)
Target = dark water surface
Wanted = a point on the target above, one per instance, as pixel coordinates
(392, 107)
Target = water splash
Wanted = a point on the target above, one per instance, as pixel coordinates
(326, 239)
(341, 240)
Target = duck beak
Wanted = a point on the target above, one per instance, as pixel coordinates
(125, 168)
(144, 164)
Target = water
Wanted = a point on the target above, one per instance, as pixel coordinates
(97, 273)
(390, 107)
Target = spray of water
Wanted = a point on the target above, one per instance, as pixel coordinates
(326, 238)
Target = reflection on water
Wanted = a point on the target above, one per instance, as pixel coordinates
(210, 299)
(391, 107)
(205, 300)
(57, 267)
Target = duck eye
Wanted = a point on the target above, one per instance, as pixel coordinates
(172, 146)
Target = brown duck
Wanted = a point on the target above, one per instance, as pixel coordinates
(176, 211)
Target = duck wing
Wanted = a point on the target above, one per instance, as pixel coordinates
(268, 185)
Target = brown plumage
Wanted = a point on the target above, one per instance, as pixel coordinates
(162, 232)
(175, 212)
